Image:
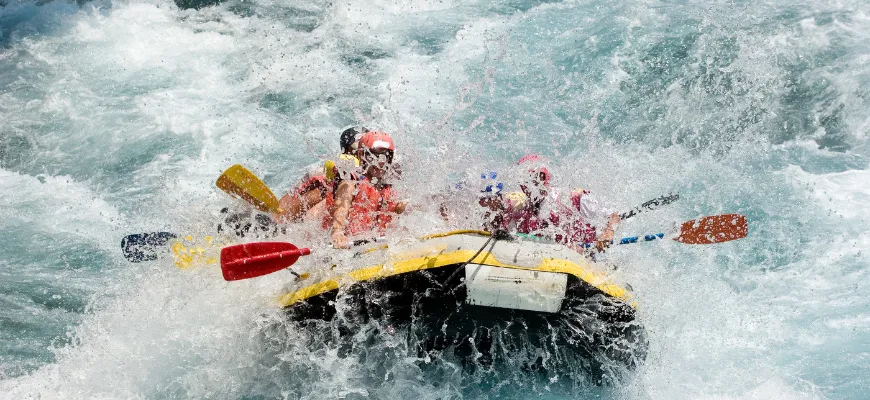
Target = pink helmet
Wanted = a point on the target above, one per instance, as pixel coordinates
(536, 167)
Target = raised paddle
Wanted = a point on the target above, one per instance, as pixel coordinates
(239, 182)
(650, 205)
(251, 260)
(704, 230)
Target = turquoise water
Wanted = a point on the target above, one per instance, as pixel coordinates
(117, 117)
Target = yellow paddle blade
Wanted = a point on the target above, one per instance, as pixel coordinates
(189, 253)
(238, 181)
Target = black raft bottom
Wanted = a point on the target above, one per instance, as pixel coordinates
(590, 330)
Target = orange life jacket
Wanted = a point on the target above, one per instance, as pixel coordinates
(371, 209)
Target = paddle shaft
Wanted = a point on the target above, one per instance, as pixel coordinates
(630, 240)
(650, 206)
(635, 239)
(647, 206)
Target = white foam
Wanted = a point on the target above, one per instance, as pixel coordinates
(845, 193)
(57, 205)
(723, 325)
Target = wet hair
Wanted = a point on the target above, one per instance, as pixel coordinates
(349, 136)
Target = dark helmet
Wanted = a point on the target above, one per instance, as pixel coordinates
(350, 135)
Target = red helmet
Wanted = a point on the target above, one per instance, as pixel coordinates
(377, 140)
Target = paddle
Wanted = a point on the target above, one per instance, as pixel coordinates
(256, 259)
(251, 260)
(650, 205)
(704, 230)
(141, 246)
(239, 182)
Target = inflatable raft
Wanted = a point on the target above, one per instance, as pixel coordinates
(476, 295)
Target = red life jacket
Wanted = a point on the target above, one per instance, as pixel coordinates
(564, 224)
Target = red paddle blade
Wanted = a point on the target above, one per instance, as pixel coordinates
(713, 229)
(251, 260)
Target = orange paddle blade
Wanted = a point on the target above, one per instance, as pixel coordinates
(251, 260)
(713, 229)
